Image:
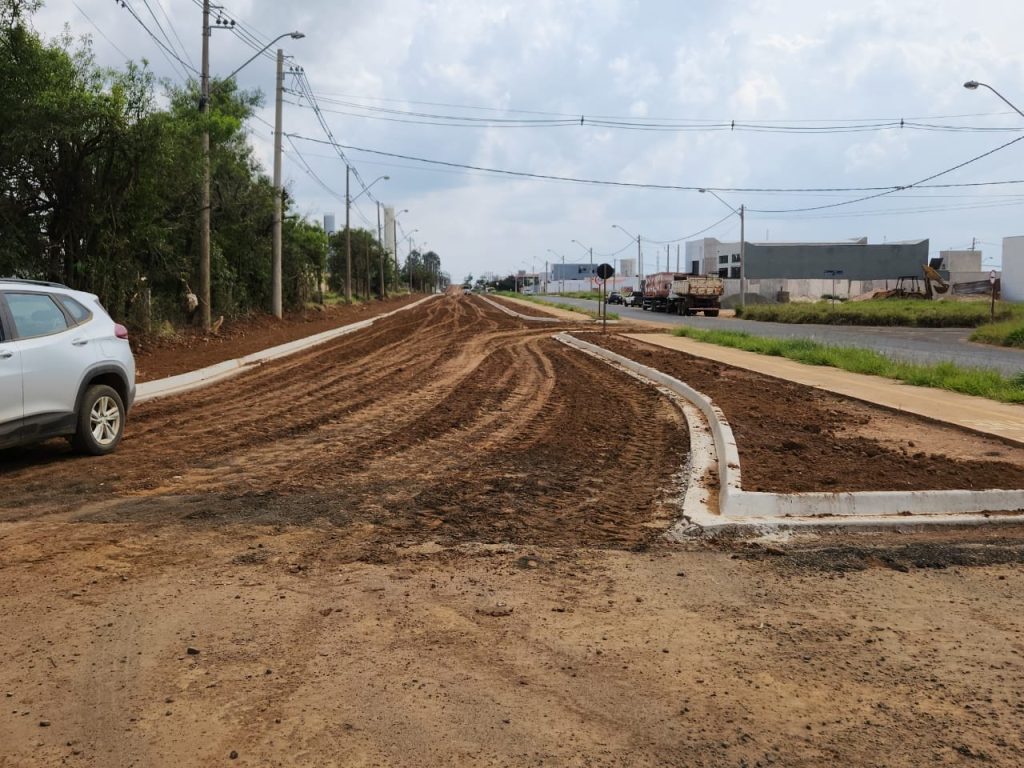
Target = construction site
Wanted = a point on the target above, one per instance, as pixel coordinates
(474, 531)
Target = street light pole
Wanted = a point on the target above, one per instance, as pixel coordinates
(972, 85)
(204, 202)
(743, 245)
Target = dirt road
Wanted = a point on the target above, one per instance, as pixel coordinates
(437, 542)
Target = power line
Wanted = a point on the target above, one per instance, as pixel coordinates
(674, 187)
(184, 48)
(690, 236)
(956, 167)
(159, 25)
(582, 121)
(167, 51)
(102, 33)
(329, 97)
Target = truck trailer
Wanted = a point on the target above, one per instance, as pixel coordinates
(683, 294)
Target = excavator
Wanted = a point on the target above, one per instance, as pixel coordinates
(910, 287)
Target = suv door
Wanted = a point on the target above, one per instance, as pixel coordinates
(11, 403)
(53, 356)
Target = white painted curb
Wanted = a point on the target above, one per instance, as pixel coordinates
(204, 377)
(734, 502)
(512, 312)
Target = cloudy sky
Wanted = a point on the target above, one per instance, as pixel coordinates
(817, 89)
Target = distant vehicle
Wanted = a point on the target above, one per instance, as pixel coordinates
(635, 299)
(467, 291)
(615, 298)
(66, 368)
(683, 294)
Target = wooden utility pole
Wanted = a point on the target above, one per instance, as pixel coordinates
(204, 202)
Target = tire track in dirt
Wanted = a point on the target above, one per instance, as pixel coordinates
(451, 421)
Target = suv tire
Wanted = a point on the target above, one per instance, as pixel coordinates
(101, 420)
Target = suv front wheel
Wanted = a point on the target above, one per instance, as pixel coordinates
(100, 421)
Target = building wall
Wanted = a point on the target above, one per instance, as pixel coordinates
(857, 262)
(1013, 268)
(961, 261)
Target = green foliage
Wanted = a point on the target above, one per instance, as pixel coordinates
(100, 185)
(970, 381)
(592, 295)
(367, 258)
(904, 312)
(1008, 333)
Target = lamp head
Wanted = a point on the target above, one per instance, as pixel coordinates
(386, 178)
(296, 35)
(971, 85)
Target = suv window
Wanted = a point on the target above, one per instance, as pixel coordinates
(78, 313)
(35, 314)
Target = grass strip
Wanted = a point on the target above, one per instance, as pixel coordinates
(980, 382)
(1008, 333)
(567, 307)
(903, 312)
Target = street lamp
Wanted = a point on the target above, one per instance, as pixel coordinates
(972, 85)
(639, 253)
(743, 246)
(204, 212)
(394, 238)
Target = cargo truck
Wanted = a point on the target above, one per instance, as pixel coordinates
(683, 294)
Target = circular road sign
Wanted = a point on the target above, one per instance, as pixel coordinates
(604, 271)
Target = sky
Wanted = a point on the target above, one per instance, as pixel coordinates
(728, 95)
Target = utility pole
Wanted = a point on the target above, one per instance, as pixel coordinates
(380, 251)
(639, 259)
(348, 237)
(275, 279)
(394, 239)
(204, 203)
(743, 260)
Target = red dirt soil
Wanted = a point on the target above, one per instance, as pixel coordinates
(794, 438)
(188, 350)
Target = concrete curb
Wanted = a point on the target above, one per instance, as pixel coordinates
(702, 459)
(204, 377)
(513, 313)
(737, 505)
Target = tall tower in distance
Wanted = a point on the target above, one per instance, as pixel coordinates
(329, 226)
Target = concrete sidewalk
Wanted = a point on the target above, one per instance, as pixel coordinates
(974, 413)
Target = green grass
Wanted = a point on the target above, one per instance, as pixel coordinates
(949, 376)
(567, 307)
(1008, 333)
(907, 312)
(592, 295)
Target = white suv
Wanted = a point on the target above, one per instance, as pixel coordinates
(66, 368)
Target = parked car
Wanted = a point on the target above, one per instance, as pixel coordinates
(635, 299)
(615, 298)
(66, 368)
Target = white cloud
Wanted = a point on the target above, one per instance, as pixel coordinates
(783, 60)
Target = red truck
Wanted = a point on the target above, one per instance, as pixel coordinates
(683, 294)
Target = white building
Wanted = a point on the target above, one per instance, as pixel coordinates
(1013, 268)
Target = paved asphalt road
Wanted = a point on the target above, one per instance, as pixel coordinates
(919, 345)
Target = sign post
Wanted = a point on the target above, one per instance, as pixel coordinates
(604, 271)
(992, 283)
(833, 273)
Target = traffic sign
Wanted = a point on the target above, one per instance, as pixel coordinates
(604, 271)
